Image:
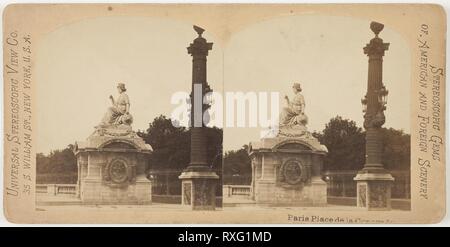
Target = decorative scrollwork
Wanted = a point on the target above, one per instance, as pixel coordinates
(293, 173)
(118, 173)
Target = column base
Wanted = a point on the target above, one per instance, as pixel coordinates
(374, 189)
(198, 189)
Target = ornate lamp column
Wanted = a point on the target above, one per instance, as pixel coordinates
(198, 180)
(374, 181)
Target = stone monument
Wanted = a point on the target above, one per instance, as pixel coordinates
(286, 169)
(113, 159)
(373, 181)
(198, 179)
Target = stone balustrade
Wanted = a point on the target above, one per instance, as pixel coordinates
(237, 191)
(57, 189)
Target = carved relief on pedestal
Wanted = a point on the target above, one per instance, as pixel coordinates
(293, 173)
(118, 173)
(378, 195)
(187, 194)
(362, 195)
(201, 195)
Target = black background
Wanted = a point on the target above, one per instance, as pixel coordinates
(281, 236)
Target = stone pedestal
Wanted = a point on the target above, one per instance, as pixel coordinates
(373, 189)
(287, 171)
(111, 167)
(199, 189)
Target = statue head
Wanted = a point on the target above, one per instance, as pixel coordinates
(297, 87)
(121, 87)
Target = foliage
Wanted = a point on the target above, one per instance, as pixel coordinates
(345, 142)
(57, 178)
(237, 167)
(171, 145)
(60, 166)
(343, 138)
(397, 149)
(171, 151)
(346, 145)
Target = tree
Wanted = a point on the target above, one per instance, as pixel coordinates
(171, 151)
(237, 167)
(345, 142)
(346, 146)
(214, 137)
(171, 145)
(396, 149)
(60, 166)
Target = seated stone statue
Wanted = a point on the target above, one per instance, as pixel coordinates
(293, 119)
(294, 113)
(118, 113)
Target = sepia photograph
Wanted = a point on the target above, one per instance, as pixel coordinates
(224, 113)
(341, 141)
(99, 150)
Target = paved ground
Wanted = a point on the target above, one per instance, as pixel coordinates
(52, 203)
(268, 208)
(45, 203)
(176, 207)
(45, 198)
(154, 206)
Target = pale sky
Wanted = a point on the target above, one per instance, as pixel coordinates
(325, 55)
(79, 65)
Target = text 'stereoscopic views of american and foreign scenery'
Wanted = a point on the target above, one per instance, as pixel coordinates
(235, 113)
